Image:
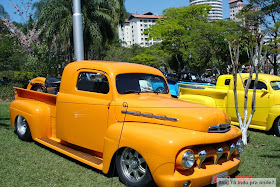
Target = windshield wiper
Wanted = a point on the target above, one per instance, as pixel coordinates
(132, 91)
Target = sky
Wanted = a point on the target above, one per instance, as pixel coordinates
(157, 6)
(132, 6)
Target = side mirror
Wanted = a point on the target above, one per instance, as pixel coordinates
(264, 90)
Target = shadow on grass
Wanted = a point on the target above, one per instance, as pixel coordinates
(269, 133)
(5, 125)
(4, 118)
(270, 156)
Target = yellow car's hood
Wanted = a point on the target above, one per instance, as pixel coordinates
(157, 109)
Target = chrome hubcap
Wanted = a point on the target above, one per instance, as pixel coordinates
(133, 165)
(21, 125)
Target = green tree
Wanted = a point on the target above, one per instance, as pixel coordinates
(193, 42)
(146, 59)
(11, 54)
(176, 29)
(100, 19)
(3, 13)
(269, 11)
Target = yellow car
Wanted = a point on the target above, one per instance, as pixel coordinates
(267, 112)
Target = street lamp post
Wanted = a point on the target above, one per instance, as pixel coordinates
(78, 31)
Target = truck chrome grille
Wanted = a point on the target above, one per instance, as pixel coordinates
(214, 154)
(219, 128)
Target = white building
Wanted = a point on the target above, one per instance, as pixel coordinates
(235, 6)
(216, 13)
(132, 31)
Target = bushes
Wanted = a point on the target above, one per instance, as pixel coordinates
(7, 91)
(14, 79)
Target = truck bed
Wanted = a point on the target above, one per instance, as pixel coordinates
(212, 97)
(21, 93)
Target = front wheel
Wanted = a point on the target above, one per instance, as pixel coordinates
(133, 169)
(22, 129)
(276, 127)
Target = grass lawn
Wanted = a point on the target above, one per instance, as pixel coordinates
(30, 164)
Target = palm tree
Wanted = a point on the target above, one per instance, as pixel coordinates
(100, 19)
(3, 13)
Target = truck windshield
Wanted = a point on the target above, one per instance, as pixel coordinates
(275, 85)
(140, 82)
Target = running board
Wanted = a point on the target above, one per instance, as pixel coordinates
(83, 157)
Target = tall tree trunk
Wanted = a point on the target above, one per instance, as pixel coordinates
(275, 66)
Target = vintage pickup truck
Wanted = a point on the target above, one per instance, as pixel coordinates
(108, 114)
(267, 114)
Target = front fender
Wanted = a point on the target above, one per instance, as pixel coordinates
(37, 115)
(158, 144)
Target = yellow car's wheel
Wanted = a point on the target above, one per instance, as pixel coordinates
(276, 127)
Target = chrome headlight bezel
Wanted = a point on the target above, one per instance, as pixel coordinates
(188, 159)
(239, 146)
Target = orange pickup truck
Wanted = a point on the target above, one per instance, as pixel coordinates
(113, 114)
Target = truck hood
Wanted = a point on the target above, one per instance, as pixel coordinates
(156, 109)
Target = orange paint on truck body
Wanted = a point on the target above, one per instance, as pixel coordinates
(154, 124)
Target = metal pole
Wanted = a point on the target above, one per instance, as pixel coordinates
(78, 31)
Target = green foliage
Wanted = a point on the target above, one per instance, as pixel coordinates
(269, 18)
(3, 13)
(193, 42)
(11, 55)
(23, 77)
(100, 19)
(7, 91)
(146, 59)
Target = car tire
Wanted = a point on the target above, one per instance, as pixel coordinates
(22, 129)
(132, 169)
(276, 127)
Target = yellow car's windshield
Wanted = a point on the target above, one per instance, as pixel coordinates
(275, 85)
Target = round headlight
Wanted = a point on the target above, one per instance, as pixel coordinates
(239, 146)
(188, 159)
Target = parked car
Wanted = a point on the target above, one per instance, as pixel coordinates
(120, 120)
(267, 114)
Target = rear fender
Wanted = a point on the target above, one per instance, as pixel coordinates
(37, 115)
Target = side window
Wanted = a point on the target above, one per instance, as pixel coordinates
(260, 85)
(93, 82)
(227, 81)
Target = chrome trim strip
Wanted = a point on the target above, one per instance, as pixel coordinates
(231, 150)
(150, 116)
(219, 128)
(201, 157)
(218, 155)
